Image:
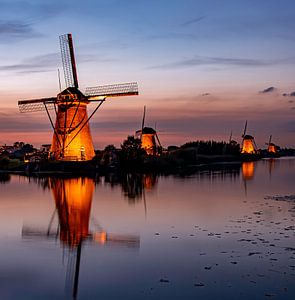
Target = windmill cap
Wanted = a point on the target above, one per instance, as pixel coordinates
(71, 90)
(248, 137)
(148, 130)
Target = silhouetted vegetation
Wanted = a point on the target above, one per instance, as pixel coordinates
(213, 147)
(131, 154)
(130, 157)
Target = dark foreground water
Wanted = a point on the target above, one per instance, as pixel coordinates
(214, 235)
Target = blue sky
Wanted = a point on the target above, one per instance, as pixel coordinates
(200, 65)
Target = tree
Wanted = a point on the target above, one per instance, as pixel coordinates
(131, 151)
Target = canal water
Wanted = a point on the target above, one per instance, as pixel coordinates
(224, 233)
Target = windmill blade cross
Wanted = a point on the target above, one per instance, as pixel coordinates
(34, 105)
(245, 129)
(112, 90)
(143, 118)
(68, 60)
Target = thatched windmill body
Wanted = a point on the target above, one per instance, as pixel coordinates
(248, 143)
(150, 141)
(271, 147)
(72, 138)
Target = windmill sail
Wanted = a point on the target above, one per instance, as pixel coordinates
(143, 118)
(68, 60)
(245, 129)
(112, 90)
(36, 104)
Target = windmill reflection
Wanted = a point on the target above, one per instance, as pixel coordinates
(133, 185)
(248, 169)
(271, 166)
(73, 198)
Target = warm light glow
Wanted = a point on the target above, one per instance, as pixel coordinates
(100, 237)
(271, 148)
(149, 181)
(73, 201)
(148, 143)
(70, 119)
(248, 146)
(248, 170)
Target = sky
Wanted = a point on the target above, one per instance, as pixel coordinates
(203, 67)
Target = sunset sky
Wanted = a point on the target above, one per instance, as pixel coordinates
(203, 67)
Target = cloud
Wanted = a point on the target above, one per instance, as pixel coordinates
(29, 10)
(16, 30)
(268, 90)
(193, 21)
(41, 63)
(171, 36)
(44, 63)
(18, 18)
(220, 61)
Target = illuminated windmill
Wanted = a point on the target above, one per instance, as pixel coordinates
(248, 144)
(148, 137)
(72, 138)
(272, 148)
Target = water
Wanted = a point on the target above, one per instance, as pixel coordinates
(210, 235)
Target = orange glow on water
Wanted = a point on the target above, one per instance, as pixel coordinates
(100, 237)
(248, 170)
(73, 202)
(149, 181)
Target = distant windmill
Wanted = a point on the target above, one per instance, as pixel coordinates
(231, 141)
(248, 144)
(72, 138)
(272, 148)
(230, 137)
(148, 137)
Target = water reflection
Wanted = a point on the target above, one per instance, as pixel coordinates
(248, 169)
(133, 185)
(202, 238)
(271, 163)
(73, 198)
(4, 178)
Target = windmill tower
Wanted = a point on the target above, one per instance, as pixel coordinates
(148, 137)
(248, 143)
(272, 148)
(72, 138)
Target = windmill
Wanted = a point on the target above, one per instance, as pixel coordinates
(148, 137)
(71, 133)
(248, 143)
(272, 148)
